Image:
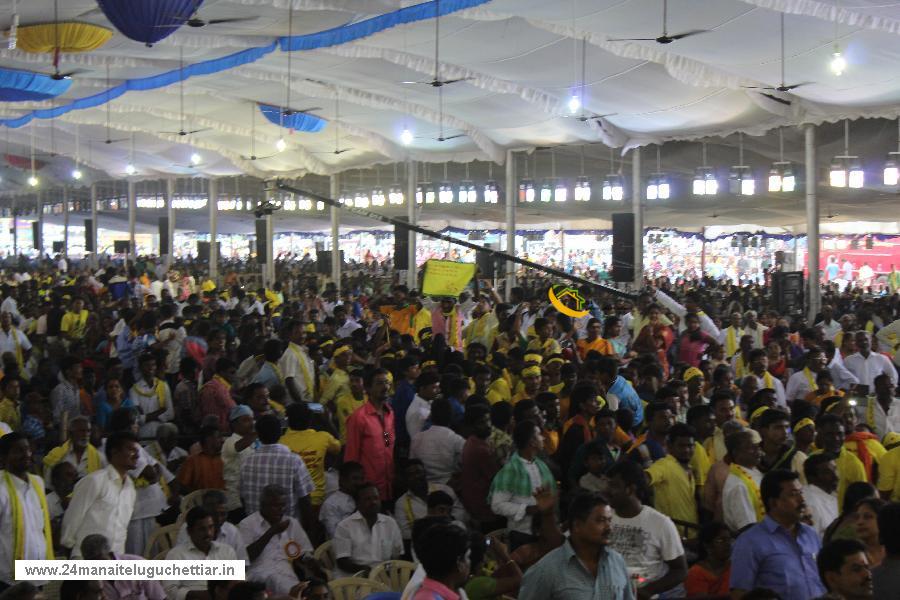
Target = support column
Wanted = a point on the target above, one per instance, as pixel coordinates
(170, 213)
(703, 252)
(95, 255)
(212, 203)
(412, 269)
(39, 242)
(65, 251)
(15, 230)
(637, 208)
(269, 267)
(812, 226)
(510, 197)
(335, 181)
(132, 215)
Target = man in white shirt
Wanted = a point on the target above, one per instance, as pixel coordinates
(103, 501)
(14, 341)
(277, 545)
(828, 325)
(413, 505)
(804, 381)
(151, 396)
(235, 450)
(341, 504)
(889, 339)
(428, 386)
(296, 367)
(690, 305)
(24, 517)
(171, 336)
(438, 447)
(213, 502)
(344, 326)
(820, 490)
(754, 329)
(739, 506)
(9, 304)
(882, 412)
(201, 545)
(867, 365)
(367, 537)
(730, 337)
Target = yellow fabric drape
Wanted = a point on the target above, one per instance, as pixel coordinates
(18, 519)
(752, 491)
(70, 36)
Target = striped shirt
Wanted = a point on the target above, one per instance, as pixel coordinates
(274, 464)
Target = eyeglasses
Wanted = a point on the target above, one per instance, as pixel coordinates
(387, 439)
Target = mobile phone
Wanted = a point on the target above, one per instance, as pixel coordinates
(316, 407)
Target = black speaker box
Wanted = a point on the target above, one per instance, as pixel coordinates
(623, 247)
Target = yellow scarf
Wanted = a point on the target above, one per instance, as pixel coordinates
(56, 455)
(18, 518)
(307, 378)
(752, 490)
(739, 368)
(277, 372)
(157, 391)
(810, 379)
(731, 343)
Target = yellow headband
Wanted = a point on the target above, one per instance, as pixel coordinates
(804, 422)
(833, 406)
(532, 357)
(692, 373)
(340, 350)
(531, 372)
(756, 413)
(555, 359)
(326, 343)
(429, 363)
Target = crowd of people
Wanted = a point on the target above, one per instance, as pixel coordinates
(686, 441)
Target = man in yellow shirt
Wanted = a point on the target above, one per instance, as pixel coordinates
(673, 481)
(889, 468)
(10, 409)
(349, 400)
(401, 313)
(74, 323)
(594, 341)
(544, 344)
(311, 445)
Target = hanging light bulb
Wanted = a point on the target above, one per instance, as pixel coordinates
(838, 63)
(280, 145)
(195, 159)
(130, 169)
(406, 136)
(491, 192)
(77, 174)
(33, 181)
(582, 189)
(574, 104)
(892, 166)
(846, 170)
(395, 196)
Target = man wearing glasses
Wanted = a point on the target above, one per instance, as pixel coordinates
(370, 434)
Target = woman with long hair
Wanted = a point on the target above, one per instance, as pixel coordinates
(710, 576)
(867, 528)
(844, 527)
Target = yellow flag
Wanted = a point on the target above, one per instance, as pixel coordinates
(446, 278)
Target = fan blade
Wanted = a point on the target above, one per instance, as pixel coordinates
(776, 99)
(451, 137)
(449, 81)
(231, 20)
(415, 82)
(254, 157)
(631, 39)
(787, 88)
(342, 151)
(681, 36)
(290, 111)
(60, 76)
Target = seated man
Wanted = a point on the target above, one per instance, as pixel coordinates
(277, 546)
(367, 537)
(213, 501)
(96, 547)
(340, 504)
(201, 545)
(413, 505)
(77, 451)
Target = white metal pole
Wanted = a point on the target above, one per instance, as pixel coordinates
(812, 224)
(510, 197)
(212, 203)
(412, 236)
(638, 211)
(335, 234)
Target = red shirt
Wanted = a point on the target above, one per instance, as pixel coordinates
(479, 465)
(370, 442)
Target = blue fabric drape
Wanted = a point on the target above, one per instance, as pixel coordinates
(312, 41)
(18, 86)
(298, 121)
(148, 21)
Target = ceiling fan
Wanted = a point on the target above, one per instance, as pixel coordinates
(196, 21)
(437, 81)
(781, 87)
(109, 139)
(441, 137)
(181, 131)
(337, 128)
(57, 76)
(253, 156)
(665, 38)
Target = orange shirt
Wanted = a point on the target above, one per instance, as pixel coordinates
(201, 472)
(401, 319)
(600, 345)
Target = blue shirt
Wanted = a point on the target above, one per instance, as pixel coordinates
(560, 575)
(628, 398)
(402, 399)
(769, 556)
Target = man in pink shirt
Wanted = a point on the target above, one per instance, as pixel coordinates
(445, 556)
(370, 434)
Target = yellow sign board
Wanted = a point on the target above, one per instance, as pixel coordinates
(446, 277)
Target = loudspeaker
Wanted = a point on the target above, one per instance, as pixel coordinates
(787, 291)
(58, 247)
(121, 246)
(203, 251)
(35, 234)
(401, 245)
(323, 261)
(164, 241)
(89, 242)
(485, 264)
(261, 246)
(623, 247)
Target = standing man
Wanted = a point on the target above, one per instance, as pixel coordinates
(235, 450)
(673, 481)
(596, 566)
(730, 337)
(759, 368)
(867, 365)
(151, 396)
(741, 501)
(25, 532)
(479, 465)
(14, 341)
(820, 490)
(103, 501)
(779, 552)
(296, 366)
(803, 382)
(215, 395)
(371, 435)
(65, 399)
